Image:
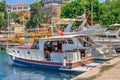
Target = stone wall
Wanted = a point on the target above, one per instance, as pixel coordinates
(50, 14)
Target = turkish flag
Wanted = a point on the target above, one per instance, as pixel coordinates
(87, 16)
(60, 32)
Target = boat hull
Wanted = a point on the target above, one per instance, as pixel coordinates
(38, 65)
(102, 59)
(55, 66)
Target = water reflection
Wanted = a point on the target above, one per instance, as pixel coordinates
(15, 72)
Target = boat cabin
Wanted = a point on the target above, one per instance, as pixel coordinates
(64, 46)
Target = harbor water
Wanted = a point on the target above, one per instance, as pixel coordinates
(10, 71)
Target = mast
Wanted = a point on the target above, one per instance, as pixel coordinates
(8, 28)
(92, 13)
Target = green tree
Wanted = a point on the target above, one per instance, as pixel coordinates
(76, 8)
(2, 21)
(110, 12)
(3, 10)
(13, 16)
(35, 18)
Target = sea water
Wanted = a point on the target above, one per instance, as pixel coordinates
(10, 71)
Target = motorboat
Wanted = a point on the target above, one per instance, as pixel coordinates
(56, 53)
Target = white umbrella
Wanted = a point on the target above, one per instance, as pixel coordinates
(116, 24)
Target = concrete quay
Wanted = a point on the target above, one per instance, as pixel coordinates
(109, 70)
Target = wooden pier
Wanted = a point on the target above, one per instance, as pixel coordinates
(107, 71)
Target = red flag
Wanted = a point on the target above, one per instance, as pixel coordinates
(87, 16)
(60, 32)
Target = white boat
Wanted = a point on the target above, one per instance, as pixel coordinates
(108, 38)
(57, 53)
(99, 35)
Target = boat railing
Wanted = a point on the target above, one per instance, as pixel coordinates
(27, 54)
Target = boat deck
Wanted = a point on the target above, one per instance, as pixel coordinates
(84, 68)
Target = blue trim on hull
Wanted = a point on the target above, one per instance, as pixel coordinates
(45, 66)
(102, 59)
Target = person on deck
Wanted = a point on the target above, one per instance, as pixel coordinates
(59, 46)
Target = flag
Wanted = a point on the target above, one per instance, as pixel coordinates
(60, 32)
(87, 16)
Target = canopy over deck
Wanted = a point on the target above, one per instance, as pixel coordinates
(65, 37)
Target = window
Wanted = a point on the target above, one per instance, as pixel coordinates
(25, 7)
(18, 8)
(64, 42)
(9, 10)
(13, 50)
(28, 52)
(13, 29)
(14, 8)
(111, 36)
(18, 51)
(70, 41)
(102, 36)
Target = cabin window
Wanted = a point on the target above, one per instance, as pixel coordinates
(64, 42)
(102, 36)
(13, 50)
(82, 53)
(70, 41)
(35, 45)
(18, 51)
(37, 42)
(28, 52)
(53, 46)
(111, 36)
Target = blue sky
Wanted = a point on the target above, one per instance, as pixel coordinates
(10, 2)
(102, 0)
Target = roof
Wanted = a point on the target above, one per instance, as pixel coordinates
(16, 25)
(20, 4)
(66, 36)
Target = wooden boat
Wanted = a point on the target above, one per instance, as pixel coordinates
(29, 37)
(57, 53)
(9, 38)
